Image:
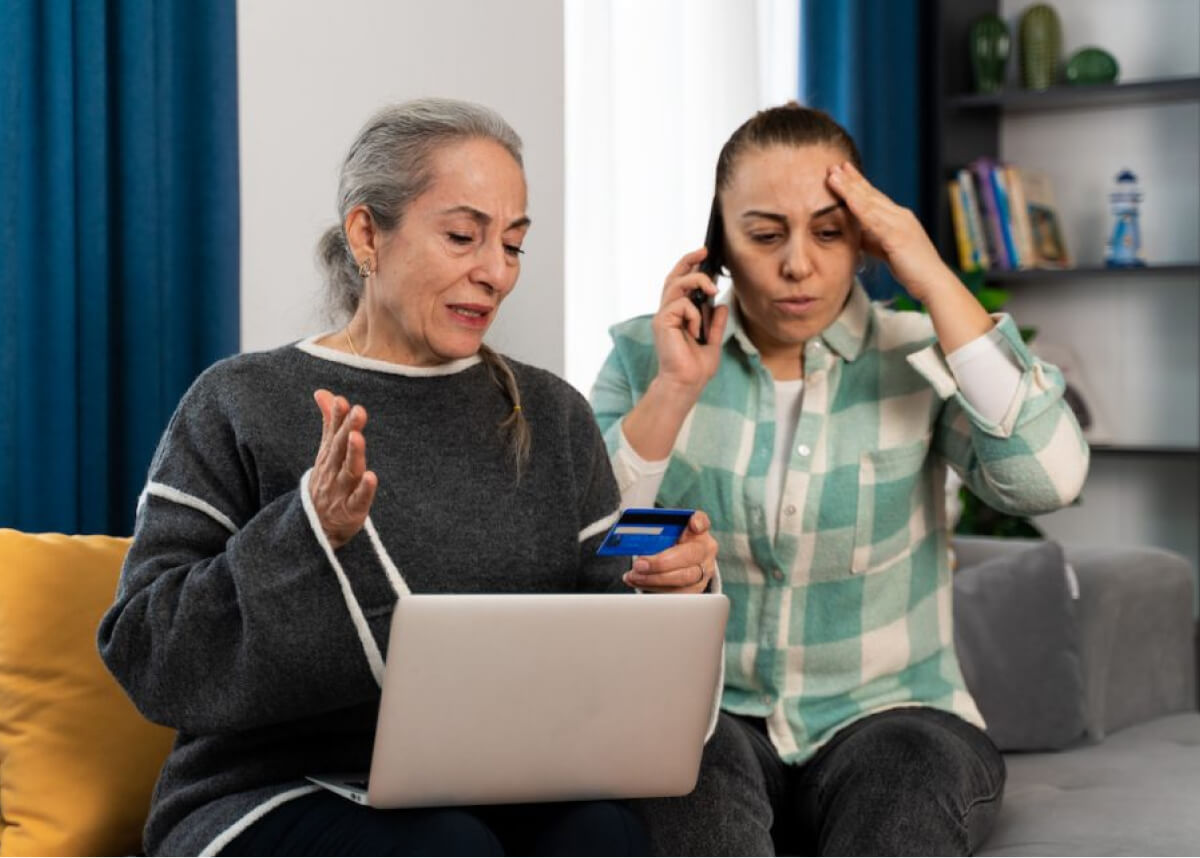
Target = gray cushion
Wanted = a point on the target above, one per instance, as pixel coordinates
(1017, 637)
(1137, 634)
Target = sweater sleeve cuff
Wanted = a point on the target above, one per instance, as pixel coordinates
(931, 363)
(987, 375)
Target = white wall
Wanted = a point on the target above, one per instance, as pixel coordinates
(310, 73)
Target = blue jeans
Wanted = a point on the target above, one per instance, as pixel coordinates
(910, 781)
(326, 824)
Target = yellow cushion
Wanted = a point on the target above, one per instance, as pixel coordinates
(77, 761)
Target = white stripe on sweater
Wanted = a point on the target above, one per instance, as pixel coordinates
(599, 526)
(161, 490)
(225, 837)
(385, 559)
(370, 648)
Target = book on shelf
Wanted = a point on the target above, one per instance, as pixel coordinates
(1022, 231)
(989, 211)
(968, 257)
(1004, 218)
(975, 228)
(967, 241)
(1049, 248)
(1004, 215)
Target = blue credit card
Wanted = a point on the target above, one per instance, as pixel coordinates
(644, 532)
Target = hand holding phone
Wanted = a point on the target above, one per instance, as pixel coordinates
(714, 241)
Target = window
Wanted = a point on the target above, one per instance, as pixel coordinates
(653, 89)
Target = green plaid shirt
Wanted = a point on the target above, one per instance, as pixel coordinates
(847, 611)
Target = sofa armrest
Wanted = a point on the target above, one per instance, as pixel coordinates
(1137, 634)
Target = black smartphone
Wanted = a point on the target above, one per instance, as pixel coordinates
(714, 240)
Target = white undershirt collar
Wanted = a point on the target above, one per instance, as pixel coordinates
(309, 346)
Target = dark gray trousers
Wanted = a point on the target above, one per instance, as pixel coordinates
(910, 781)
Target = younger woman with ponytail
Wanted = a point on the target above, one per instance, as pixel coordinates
(816, 428)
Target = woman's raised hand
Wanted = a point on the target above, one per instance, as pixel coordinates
(891, 233)
(683, 362)
(340, 485)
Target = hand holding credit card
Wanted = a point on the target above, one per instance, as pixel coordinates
(644, 532)
(673, 549)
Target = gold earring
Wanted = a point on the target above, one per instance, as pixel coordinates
(364, 269)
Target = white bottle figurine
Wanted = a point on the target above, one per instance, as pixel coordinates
(1124, 247)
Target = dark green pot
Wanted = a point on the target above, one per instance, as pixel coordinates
(1091, 66)
(989, 44)
(1041, 46)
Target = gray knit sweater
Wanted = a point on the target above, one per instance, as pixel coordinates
(237, 625)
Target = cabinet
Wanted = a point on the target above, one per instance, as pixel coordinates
(1134, 332)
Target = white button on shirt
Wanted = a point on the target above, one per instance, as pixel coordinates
(803, 450)
(789, 400)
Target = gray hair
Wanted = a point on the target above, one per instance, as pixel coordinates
(387, 167)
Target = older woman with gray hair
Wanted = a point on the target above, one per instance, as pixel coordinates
(271, 547)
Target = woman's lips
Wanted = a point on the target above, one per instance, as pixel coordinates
(798, 306)
(471, 315)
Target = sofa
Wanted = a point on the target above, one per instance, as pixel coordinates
(1083, 662)
(1128, 781)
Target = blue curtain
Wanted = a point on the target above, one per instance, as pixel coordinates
(118, 243)
(860, 62)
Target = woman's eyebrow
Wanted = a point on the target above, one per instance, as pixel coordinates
(773, 216)
(782, 219)
(840, 204)
(482, 218)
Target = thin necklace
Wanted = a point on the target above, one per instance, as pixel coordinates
(350, 340)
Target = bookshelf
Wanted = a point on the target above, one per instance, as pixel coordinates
(1134, 330)
(1082, 97)
(1188, 274)
(1136, 450)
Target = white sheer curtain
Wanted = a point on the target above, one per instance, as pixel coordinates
(653, 89)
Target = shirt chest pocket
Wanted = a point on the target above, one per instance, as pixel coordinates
(891, 516)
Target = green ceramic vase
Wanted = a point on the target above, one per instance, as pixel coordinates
(989, 44)
(1041, 46)
(1091, 66)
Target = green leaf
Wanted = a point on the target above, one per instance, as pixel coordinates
(973, 280)
(993, 300)
(979, 519)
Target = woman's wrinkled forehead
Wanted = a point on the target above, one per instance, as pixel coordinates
(477, 173)
(786, 125)
(782, 178)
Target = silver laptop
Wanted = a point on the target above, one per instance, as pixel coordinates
(497, 699)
